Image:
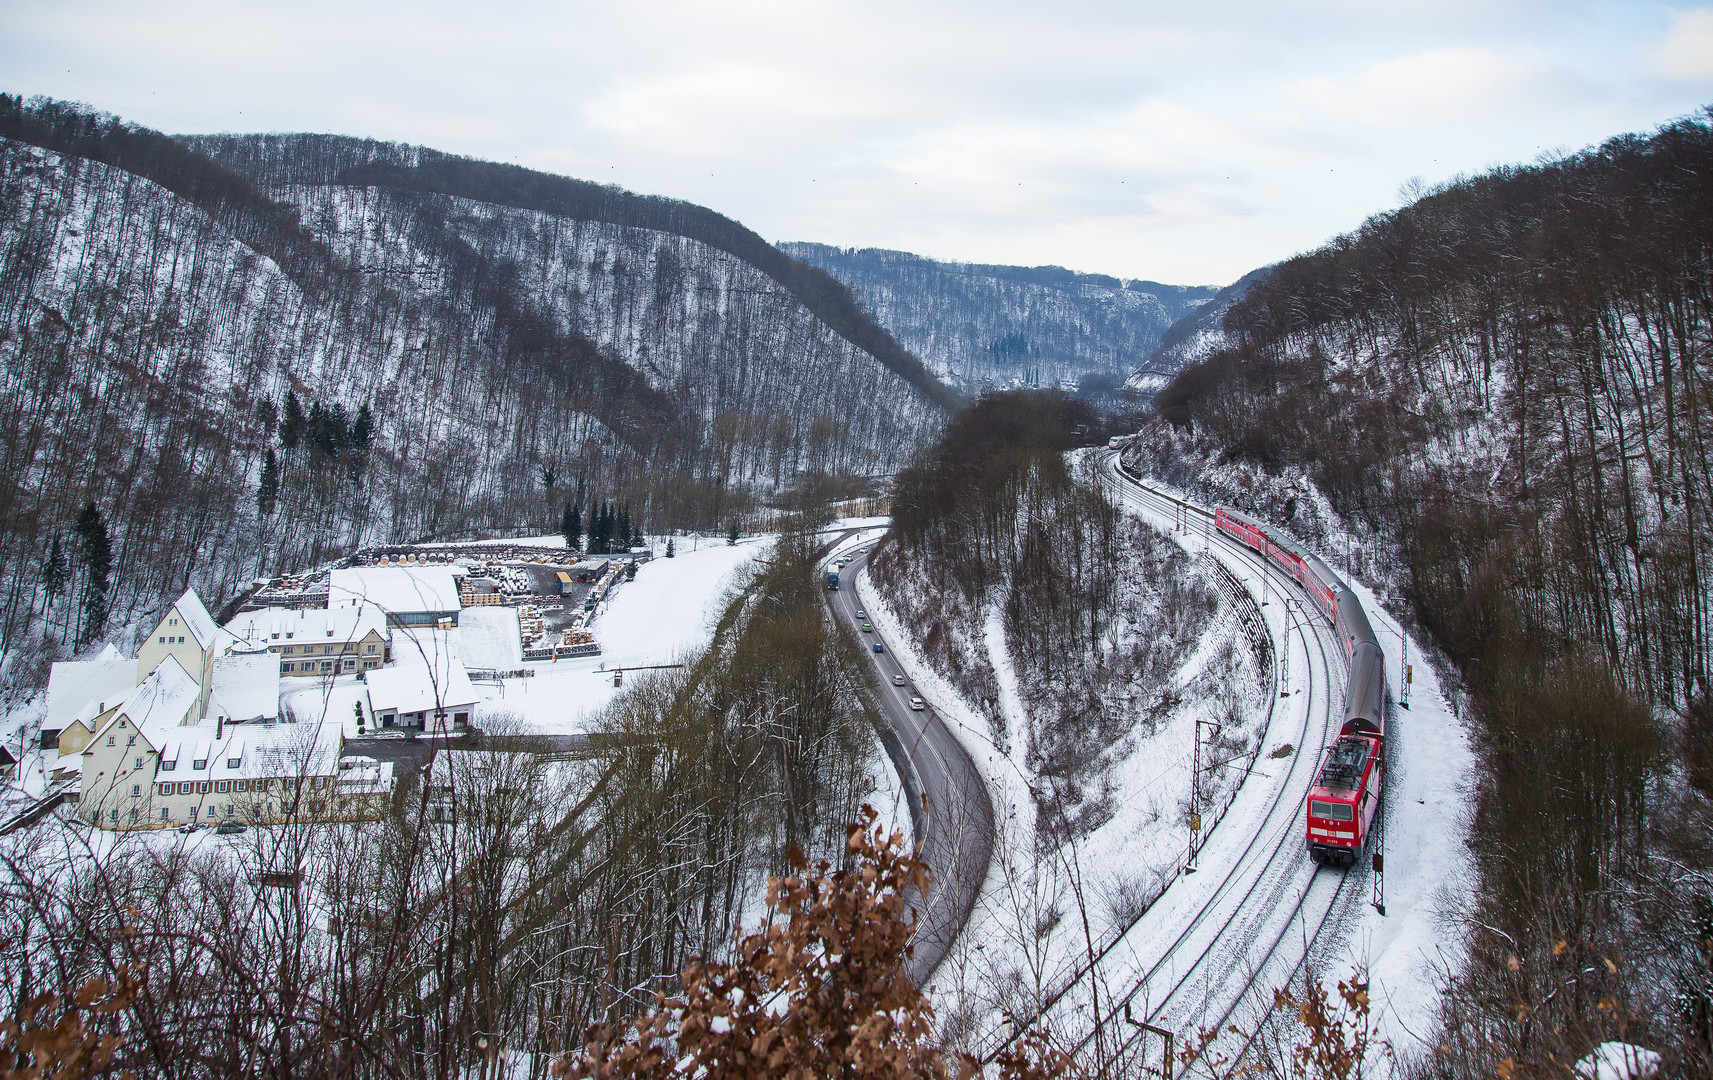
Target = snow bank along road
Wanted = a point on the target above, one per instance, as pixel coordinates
(1210, 951)
(949, 808)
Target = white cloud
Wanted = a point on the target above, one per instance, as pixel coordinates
(1147, 138)
(1686, 54)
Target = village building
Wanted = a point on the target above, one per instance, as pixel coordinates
(411, 596)
(346, 637)
(74, 684)
(246, 687)
(188, 634)
(434, 697)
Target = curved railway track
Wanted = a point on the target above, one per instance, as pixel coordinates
(1215, 963)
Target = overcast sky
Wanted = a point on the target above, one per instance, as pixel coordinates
(1185, 142)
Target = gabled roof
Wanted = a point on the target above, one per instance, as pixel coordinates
(339, 622)
(157, 704)
(410, 688)
(246, 687)
(258, 749)
(72, 684)
(197, 619)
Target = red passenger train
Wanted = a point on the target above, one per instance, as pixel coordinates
(1345, 798)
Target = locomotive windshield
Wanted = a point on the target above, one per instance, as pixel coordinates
(1331, 810)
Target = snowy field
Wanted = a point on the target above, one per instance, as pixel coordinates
(667, 612)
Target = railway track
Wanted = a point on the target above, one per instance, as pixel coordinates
(1254, 927)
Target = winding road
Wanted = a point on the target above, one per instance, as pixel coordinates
(951, 814)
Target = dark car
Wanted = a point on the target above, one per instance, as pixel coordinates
(230, 828)
(878, 647)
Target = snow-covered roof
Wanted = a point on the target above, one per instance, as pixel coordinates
(72, 684)
(197, 619)
(341, 621)
(411, 688)
(159, 703)
(246, 687)
(397, 589)
(241, 751)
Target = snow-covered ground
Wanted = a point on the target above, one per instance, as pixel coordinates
(667, 612)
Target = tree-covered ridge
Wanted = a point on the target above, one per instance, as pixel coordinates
(326, 159)
(1504, 391)
(979, 325)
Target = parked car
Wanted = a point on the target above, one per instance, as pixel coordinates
(898, 680)
(230, 828)
(918, 704)
(190, 827)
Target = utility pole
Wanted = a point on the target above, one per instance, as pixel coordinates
(1195, 797)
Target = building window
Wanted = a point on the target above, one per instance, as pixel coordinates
(113, 816)
(133, 817)
(186, 788)
(315, 783)
(130, 740)
(370, 649)
(287, 650)
(237, 785)
(169, 766)
(286, 668)
(193, 813)
(350, 665)
(166, 789)
(138, 761)
(203, 788)
(110, 739)
(136, 791)
(199, 763)
(163, 640)
(166, 813)
(181, 639)
(327, 665)
(233, 763)
(220, 786)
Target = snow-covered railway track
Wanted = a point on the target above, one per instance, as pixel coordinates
(1272, 905)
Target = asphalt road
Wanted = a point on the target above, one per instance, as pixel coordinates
(951, 814)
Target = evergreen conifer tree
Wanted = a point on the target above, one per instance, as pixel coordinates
(97, 559)
(571, 525)
(732, 534)
(269, 491)
(669, 547)
(54, 570)
(291, 426)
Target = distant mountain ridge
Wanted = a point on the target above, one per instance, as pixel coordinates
(977, 325)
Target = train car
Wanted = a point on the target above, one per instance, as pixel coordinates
(1346, 795)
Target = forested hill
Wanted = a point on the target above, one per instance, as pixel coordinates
(508, 341)
(1506, 390)
(981, 326)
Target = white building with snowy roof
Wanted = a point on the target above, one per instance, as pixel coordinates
(152, 764)
(74, 684)
(346, 637)
(188, 634)
(246, 687)
(409, 595)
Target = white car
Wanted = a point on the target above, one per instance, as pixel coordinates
(918, 704)
(898, 680)
(861, 614)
